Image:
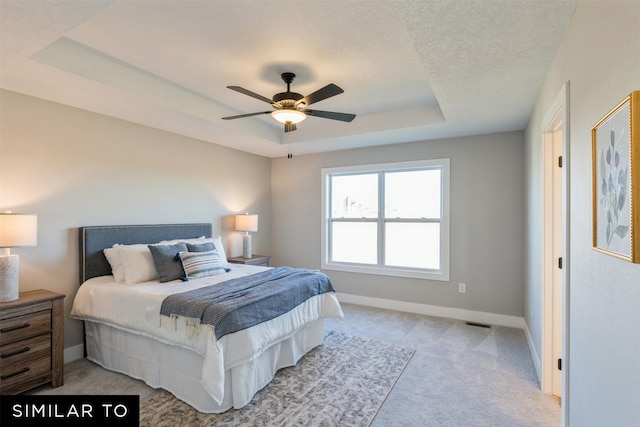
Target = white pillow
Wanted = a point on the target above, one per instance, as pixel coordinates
(185, 241)
(117, 269)
(217, 242)
(137, 263)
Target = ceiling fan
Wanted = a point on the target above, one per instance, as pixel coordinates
(291, 107)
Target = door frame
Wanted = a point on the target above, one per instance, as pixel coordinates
(559, 111)
(553, 240)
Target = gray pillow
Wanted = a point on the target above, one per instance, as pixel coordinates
(201, 247)
(167, 261)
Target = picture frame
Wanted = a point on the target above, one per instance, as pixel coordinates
(615, 147)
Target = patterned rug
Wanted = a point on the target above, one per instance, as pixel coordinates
(340, 383)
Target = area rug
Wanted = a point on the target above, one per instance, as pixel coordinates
(340, 383)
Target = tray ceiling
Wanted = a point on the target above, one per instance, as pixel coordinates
(411, 70)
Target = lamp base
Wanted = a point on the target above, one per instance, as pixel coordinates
(246, 246)
(9, 284)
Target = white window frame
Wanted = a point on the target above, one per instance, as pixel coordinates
(441, 274)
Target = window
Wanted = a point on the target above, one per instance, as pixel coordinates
(390, 219)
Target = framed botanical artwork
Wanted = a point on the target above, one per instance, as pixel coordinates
(615, 141)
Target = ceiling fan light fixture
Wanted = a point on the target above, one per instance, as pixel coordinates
(286, 115)
(289, 107)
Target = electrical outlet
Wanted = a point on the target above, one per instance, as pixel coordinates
(462, 288)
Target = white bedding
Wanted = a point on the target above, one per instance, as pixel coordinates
(136, 309)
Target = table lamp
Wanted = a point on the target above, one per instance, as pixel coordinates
(15, 230)
(246, 223)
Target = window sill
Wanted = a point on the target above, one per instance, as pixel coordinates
(394, 272)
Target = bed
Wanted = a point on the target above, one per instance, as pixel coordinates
(126, 332)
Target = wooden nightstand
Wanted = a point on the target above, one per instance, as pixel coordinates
(31, 341)
(263, 260)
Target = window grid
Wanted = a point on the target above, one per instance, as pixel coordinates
(381, 220)
(355, 255)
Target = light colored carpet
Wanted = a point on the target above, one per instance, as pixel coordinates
(460, 375)
(340, 383)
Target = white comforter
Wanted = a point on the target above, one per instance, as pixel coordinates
(136, 308)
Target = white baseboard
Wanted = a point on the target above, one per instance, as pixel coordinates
(73, 353)
(537, 362)
(434, 310)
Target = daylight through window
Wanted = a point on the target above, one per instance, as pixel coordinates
(387, 219)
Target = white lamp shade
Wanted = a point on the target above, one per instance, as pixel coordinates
(286, 115)
(18, 230)
(247, 222)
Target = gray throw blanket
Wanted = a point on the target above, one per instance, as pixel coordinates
(243, 302)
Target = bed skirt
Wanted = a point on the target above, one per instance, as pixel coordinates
(179, 370)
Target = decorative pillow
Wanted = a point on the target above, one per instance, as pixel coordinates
(117, 269)
(167, 261)
(217, 241)
(202, 247)
(137, 263)
(201, 264)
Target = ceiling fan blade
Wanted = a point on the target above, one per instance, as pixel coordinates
(251, 94)
(246, 115)
(343, 117)
(326, 92)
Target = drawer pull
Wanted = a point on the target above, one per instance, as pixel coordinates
(15, 328)
(22, 350)
(21, 371)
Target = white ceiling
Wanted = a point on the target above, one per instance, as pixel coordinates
(411, 69)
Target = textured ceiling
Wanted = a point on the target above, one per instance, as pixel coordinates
(411, 70)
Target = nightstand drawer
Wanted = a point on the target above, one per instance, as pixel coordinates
(15, 328)
(33, 363)
(31, 348)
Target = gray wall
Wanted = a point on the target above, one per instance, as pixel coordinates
(600, 56)
(487, 221)
(74, 168)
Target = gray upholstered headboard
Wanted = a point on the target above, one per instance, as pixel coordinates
(93, 240)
